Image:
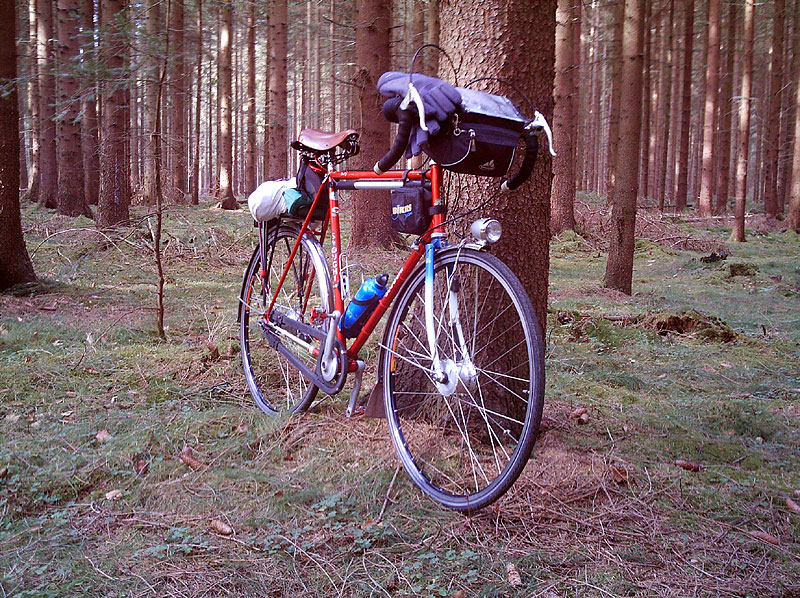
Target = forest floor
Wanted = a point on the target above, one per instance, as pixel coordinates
(99, 498)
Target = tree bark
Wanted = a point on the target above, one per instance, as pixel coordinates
(153, 29)
(225, 115)
(115, 181)
(773, 114)
(48, 164)
(70, 196)
(706, 204)
(500, 25)
(250, 165)
(616, 90)
(666, 91)
(371, 221)
(744, 123)
(793, 212)
(33, 105)
(177, 135)
(562, 204)
(198, 107)
(90, 141)
(682, 192)
(619, 268)
(278, 39)
(15, 265)
(726, 94)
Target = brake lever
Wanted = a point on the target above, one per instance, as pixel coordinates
(540, 122)
(413, 96)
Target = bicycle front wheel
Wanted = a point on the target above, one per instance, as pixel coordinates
(276, 385)
(464, 418)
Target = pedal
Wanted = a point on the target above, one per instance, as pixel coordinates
(351, 406)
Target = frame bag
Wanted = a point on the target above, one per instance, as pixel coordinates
(410, 212)
(480, 137)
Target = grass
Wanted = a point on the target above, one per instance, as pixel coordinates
(316, 503)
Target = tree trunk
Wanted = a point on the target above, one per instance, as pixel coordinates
(563, 198)
(646, 154)
(15, 265)
(793, 213)
(682, 192)
(91, 144)
(225, 115)
(153, 28)
(115, 190)
(278, 40)
(197, 108)
(371, 221)
(666, 91)
(48, 165)
(177, 135)
(619, 268)
(616, 90)
(33, 106)
(500, 25)
(70, 197)
(744, 123)
(773, 118)
(705, 207)
(726, 94)
(250, 165)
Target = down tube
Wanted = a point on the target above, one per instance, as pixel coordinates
(384, 303)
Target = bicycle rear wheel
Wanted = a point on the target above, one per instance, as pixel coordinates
(276, 385)
(465, 440)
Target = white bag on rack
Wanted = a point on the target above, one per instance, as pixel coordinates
(267, 202)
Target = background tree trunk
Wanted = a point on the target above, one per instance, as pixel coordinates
(682, 192)
(70, 196)
(177, 130)
(726, 94)
(33, 106)
(90, 141)
(48, 166)
(250, 165)
(371, 220)
(153, 28)
(115, 190)
(499, 24)
(706, 204)
(198, 107)
(278, 40)
(225, 114)
(563, 198)
(774, 110)
(744, 123)
(15, 265)
(619, 268)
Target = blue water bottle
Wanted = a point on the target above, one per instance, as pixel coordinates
(362, 305)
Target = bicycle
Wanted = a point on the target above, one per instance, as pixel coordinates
(461, 363)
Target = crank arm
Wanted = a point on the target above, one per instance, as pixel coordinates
(313, 376)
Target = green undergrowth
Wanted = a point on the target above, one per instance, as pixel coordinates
(97, 415)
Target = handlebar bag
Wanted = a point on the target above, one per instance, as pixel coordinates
(481, 137)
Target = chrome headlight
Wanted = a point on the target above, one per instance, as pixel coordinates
(486, 230)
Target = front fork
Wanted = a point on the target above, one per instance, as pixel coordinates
(445, 373)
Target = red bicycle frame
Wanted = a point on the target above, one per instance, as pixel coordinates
(363, 179)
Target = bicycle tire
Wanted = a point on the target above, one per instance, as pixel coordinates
(276, 386)
(464, 449)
